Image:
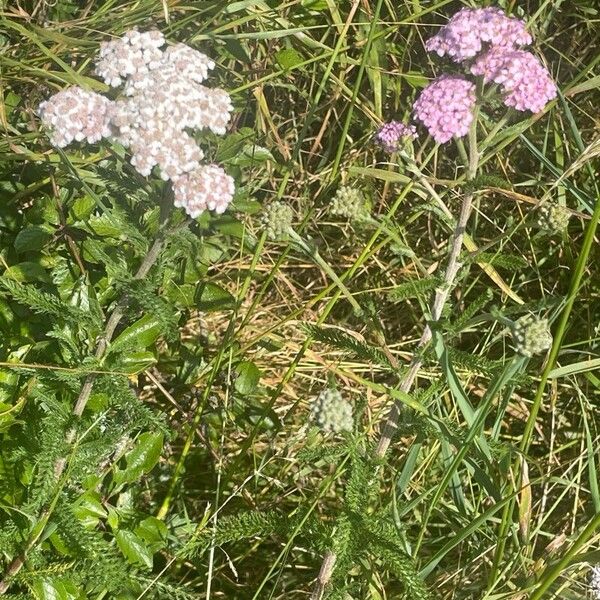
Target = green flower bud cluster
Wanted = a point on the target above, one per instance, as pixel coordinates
(531, 335)
(277, 219)
(350, 203)
(331, 413)
(553, 218)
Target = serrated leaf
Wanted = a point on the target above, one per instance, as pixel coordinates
(139, 335)
(27, 272)
(153, 531)
(89, 509)
(136, 362)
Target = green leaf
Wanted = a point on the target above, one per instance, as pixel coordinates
(55, 589)
(251, 154)
(248, 376)
(288, 58)
(31, 239)
(134, 548)
(381, 174)
(136, 362)
(89, 509)
(315, 4)
(153, 531)
(27, 272)
(142, 458)
(573, 368)
(210, 297)
(139, 335)
(83, 207)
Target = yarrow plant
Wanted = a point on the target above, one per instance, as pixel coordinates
(157, 110)
(472, 29)
(486, 43)
(445, 107)
(163, 99)
(349, 202)
(393, 135)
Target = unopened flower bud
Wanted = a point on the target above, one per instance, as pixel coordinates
(553, 218)
(531, 335)
(350, 203)
(331, 413)
(277, 219)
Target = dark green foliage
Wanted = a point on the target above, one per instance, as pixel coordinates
(418, 288)
(343, 341)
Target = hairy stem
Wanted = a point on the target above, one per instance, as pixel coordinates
(453, 265)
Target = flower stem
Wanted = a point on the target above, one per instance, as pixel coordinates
(437, 304)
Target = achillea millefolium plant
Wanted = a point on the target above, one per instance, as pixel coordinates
(265, 343)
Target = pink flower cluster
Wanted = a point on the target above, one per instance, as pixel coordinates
(445, 107)
(163, 99)
(74, 114)
(526, 83)
(391, 135)
(469, 29)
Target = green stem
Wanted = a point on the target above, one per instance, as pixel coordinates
(559, 334)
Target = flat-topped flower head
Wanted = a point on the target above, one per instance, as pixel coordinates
(331, 412)
(445, 107)
(531, 335)
(130, 56)
(523, 79)
(470, 30)
(162, 100)
(208, 187)
(74, 114)
(393, 135)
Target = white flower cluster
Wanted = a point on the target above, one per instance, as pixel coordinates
(553, 218)
(207, 187)
(350, 203)
(163, 100)
(595, 582)
(76, 115)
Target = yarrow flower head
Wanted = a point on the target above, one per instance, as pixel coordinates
(163, 99)
(350, 203)
(392, 136)
(445, 107)
(207, 187)
(277, 219)
(331, 412)
(465, 35)
(75, 114)
(524, 80)
(531, 335)
(595, 582)
(553, 218)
